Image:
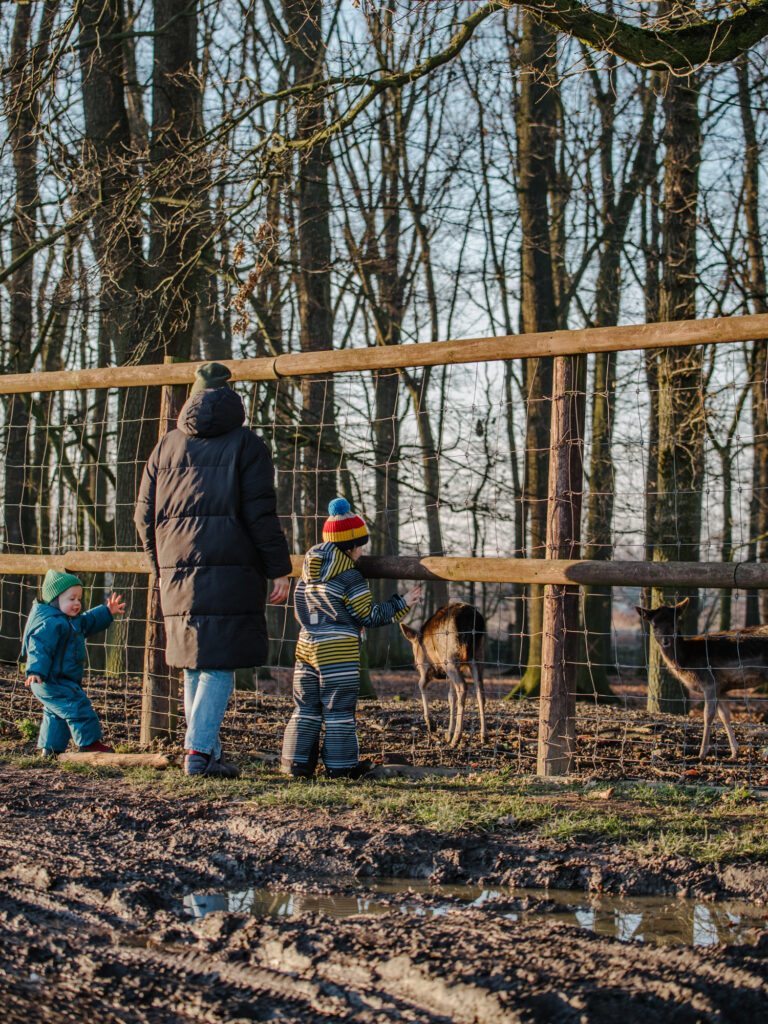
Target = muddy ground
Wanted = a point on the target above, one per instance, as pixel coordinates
(93, 871)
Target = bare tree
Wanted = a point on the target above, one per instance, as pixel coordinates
(22, 114)
(681, 423)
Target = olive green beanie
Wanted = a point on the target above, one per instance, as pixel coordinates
(210, 375)
(56, 583)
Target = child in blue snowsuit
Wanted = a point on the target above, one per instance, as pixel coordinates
(54, 646)
(333, 604)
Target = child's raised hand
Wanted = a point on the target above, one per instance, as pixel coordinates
(116, 604)
(413, 596)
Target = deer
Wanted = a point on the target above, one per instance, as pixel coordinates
(451, 644)
(713, 663)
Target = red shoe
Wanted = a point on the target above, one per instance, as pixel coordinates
(98, 747)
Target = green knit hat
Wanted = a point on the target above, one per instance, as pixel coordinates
(56, 583)
(210, 375)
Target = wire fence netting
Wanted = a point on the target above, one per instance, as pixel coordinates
(449, 460)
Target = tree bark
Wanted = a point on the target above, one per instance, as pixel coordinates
(320, 463)
(615, 213)
(758, 363)
(19, 521)
(536, 119)
(111, 177)
(160, 687)
(681, 422)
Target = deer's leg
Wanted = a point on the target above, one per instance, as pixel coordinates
(710, 710)
(460, 696)
(451, 710)
(423, 683)
(477, 677)
(724, 713)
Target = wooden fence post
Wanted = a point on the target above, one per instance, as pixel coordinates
(160, 691)
(561, 602)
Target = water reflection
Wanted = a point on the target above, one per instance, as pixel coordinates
(264, 903)
(652, 919)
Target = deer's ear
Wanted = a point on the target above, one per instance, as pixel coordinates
(680, 608)
(408, 633)
(644, 613)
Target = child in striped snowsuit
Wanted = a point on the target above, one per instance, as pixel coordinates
(333, 603)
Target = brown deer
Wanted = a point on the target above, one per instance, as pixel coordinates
(713, 663)
(450, 644)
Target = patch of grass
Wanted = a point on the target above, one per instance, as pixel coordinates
(670, 821)
(737, 796)
(31, 761)
(669, 794)
(88, 770)
(28, 729)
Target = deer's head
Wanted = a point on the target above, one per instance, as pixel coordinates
(420, 656)
(664, 621)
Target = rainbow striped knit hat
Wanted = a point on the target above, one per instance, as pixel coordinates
(342, 527)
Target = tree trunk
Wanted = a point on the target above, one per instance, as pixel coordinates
(651, 232)
(388, 314)
(536, 118)
(518, 650)
(598, 606)
(681, 424)
(430, 460)
(320, 463)
(758, 519)
(19, 522)
(180, 181)
(614, 220)
(726, 543)
(112, 183)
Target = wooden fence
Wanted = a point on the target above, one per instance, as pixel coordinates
(560, 572)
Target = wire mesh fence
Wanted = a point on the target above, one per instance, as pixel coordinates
(447, 460)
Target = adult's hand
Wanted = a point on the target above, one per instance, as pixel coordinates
(280, 590)
(33, 679)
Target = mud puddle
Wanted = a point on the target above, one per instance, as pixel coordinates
(655, 920)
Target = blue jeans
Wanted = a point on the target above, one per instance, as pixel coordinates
(67, 712)
(206, 695)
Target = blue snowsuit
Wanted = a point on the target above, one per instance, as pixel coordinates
(54, 645)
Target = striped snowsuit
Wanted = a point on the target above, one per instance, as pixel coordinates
(332, 602)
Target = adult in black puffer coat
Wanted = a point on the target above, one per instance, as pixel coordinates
(207, 519)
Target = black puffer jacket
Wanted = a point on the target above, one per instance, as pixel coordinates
(206, 517)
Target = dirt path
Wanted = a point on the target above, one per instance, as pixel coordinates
(92, 872)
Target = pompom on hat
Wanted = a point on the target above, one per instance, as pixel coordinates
(55, 583)
(342, 527)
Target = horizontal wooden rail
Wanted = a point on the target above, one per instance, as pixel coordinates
(743, 575)
(390, 357)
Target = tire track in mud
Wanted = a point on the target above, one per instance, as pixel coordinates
(468, 968)
(91, 925)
